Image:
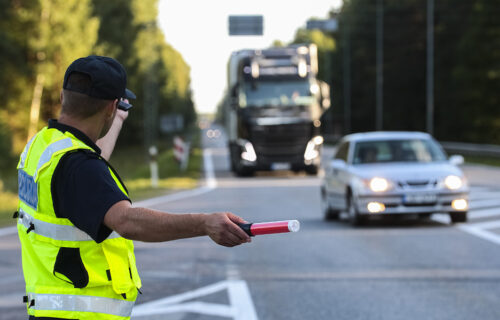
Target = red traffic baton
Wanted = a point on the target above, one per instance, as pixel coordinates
(254, 229)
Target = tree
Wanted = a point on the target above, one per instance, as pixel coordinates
(46, 37)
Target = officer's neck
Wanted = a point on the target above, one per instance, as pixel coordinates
(91, 127)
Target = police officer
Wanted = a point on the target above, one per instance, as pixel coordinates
(75, 219)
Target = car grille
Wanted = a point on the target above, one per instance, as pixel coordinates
(417, 184)
(281, 143)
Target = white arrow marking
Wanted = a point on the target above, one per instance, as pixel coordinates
(241, 306)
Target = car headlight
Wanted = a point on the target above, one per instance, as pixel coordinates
(453, 182)
(379, 184)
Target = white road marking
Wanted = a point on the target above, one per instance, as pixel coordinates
(484, 203)
(241, 300)
(481, 233)
(484, 213)
(488, 203)
(210, 184)
(240, 307)
(486, 225)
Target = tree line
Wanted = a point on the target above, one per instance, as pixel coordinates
(466, 67)
(40, 38)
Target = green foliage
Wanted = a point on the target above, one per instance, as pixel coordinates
(42, 37)
(327, 56)
(5, 147)
(466, 66)
(39, 37)
(157, 73)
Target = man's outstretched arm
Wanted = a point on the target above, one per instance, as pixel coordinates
(156, 226)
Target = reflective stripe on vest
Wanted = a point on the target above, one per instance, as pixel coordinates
(56, 231)
(25, 152)
(78, 303)
(50, 150)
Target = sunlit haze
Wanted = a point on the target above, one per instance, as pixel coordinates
(199, 31)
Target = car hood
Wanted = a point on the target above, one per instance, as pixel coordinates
(407, 171)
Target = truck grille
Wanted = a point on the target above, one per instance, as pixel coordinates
(280, 143)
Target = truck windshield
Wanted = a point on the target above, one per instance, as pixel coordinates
(276, 93)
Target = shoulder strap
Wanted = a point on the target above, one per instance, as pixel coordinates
(98, 156)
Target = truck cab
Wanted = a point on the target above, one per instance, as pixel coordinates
(274, 108)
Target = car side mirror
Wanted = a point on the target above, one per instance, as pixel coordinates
(338, 164)
(456, 159)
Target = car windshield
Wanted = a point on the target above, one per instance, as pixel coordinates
(414, 150)
(276, 93)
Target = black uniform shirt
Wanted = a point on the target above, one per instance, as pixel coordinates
(82, 187)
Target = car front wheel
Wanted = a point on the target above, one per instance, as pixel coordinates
(354, 216)
(458, 217)
(328, 213)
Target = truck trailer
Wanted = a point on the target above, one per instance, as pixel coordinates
(272, 109)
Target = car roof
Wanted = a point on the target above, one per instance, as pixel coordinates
(386, 135)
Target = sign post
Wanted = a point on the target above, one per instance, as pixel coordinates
(181, 152)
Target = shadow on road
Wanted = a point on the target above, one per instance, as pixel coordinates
(315, 224)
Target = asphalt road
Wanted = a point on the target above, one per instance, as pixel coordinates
(404, 269)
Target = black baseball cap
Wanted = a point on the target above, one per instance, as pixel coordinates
(108, 79)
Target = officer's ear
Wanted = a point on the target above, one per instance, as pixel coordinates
(111, 108)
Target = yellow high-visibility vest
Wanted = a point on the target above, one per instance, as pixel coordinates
(68, 274)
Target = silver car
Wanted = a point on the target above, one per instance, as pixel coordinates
(393, 173)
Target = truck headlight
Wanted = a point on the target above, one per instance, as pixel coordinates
(379, 184)
(453, 182)
(312, 149)
(248, 152)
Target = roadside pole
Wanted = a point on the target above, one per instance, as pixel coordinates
(430, 66)
(379, 108)
(153, 166)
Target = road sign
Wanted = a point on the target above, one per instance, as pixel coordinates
(181, 152)
(329, 25)
(246, 25)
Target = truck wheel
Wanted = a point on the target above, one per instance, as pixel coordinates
(231, 160)
(242, 171)
(312, 170)
(458, 217)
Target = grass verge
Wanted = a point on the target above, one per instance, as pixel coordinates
(135, 173)
(490, 161)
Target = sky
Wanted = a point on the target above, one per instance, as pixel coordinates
(198, 29)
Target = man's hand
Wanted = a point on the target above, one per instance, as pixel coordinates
(121, 115)
(222, 228)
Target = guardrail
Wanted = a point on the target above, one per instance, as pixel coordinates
(473, 149)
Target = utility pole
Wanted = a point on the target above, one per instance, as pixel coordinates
(379, 108)
(430, 66)
(347, 77)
